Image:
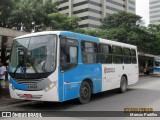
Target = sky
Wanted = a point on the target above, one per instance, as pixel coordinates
(142, 9)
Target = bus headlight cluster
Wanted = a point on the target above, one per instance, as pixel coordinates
(11, 86)
(50, 86)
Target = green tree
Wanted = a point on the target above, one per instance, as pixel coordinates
(92, 32)
(126, 27)
(121, 19)
(153, 28)
(59, 21)
(117, 34)
(15, 13)
(6, 7)
(28, 11)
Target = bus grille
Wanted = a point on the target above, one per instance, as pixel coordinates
(34, 84)
(28, 81)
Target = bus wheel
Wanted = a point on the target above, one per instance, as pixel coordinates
(85, 92)
(123, 84)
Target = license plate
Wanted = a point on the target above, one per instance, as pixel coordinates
(28, 96)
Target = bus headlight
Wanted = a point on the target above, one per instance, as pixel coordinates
(50, 86)
(11, 86)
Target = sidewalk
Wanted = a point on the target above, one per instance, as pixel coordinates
(6, 99)
(144, 75)
(150, 75)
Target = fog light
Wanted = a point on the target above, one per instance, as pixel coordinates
(46, 89)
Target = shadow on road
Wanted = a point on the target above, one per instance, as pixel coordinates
(57, 106)
(140, 95)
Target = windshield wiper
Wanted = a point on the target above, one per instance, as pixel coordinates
(16, 68)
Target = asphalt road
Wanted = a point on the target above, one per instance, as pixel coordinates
(144, 94)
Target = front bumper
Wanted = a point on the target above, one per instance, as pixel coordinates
(50, 95)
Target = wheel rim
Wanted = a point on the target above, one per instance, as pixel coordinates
(84, 92)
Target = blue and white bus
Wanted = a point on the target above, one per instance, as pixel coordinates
(60, 66)
(156, 65)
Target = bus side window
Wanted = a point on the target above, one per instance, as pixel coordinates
(89, 52)
(68, 54)
(133, 56)
(127, 55)
(105, 52)
(117, 54)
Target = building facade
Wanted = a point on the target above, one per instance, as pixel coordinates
(154, 11)
(6, 39)
(92, 12)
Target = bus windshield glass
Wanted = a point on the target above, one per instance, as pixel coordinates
(33, 55)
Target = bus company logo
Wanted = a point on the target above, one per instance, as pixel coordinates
(109, 70)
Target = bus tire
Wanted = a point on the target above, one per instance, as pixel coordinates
(123, 84)
(84, 93)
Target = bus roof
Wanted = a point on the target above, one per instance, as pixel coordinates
(111, 42)
(79, 36)
(39, 33)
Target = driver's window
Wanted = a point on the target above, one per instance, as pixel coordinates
(68, 54)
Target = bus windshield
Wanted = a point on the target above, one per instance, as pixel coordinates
(157, 63)
(33, 55)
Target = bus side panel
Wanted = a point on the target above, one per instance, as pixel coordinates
(156, 66)
(111, 74)
(60, 86)
(90, 71)
(134, 72)
(156, 70)
(94, 73)
(61, 82)
(70, 81)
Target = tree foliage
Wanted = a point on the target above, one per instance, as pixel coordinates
(126, 27)
(59, 21)
(15, 13)
(92, 32)
(6, 7)
(121, 19)
(152, 28)
(122, 26)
